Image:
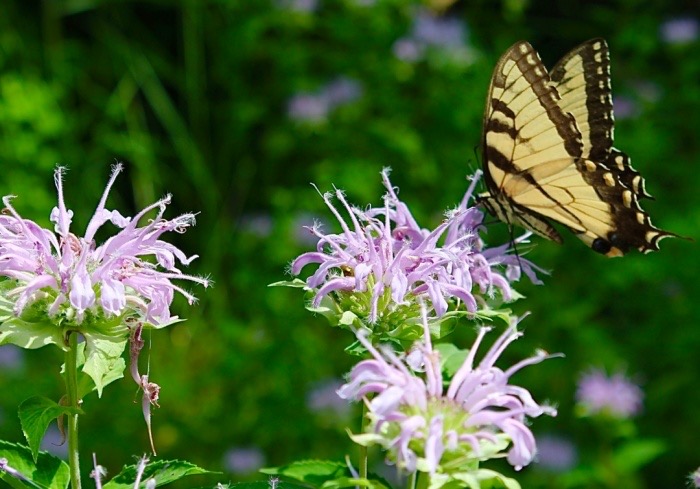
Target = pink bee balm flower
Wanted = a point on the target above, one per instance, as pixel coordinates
(78, 280)
(56, 282)
(383, 263)
(424, 426)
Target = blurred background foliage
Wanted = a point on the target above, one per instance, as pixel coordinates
(235, 106)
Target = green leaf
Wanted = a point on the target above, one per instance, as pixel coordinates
(163, 471)
(265, 485)
(632, 456)
(296, 283)
(86, 384)
(103, 361)
(452, 357)
(505, 315)
(35, 415)
(315, 472)
(165, 324)
(352, 482)
(482, 479)
(447, 323)
(348, 318)
(47, 472)
(366, 439)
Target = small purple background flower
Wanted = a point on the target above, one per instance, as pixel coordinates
(306, 6)
(323, 397)
(680, 30)
(616, 394)
(625, 107)
(445, 33)
(243, 460)
(555, 453)
(316, 106)
(54, 442)
(11, 358)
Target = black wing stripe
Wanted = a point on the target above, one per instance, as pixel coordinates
(586, 69)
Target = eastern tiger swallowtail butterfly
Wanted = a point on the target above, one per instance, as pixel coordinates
(548, 155)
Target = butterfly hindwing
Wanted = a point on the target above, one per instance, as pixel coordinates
(548, 154)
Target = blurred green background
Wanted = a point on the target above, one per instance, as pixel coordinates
(236, 106)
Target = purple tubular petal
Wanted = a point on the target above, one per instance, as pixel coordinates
(463, 294)
(82, 296)
(434, 447)
(35, 284)
(303, 260)
(523, 450)
(338, 283)
(113, 298)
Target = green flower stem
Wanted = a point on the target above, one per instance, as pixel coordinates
(411, 482)
(423, 480)
(71, 367)
(363, 448)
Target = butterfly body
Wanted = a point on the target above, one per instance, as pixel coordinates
(548, 154)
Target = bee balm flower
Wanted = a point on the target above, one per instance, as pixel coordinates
(446, 431)
(57, 282)
(382, 264)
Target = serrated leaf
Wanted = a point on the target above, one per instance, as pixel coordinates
(103, 361)
(47, 472)
(630, 457)
(35, 415)
(85, 383)
(162, 471)
(314, 472)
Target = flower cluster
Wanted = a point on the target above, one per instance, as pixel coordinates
(428, 428)
(56, 282)
(383, 264)
(76, 280)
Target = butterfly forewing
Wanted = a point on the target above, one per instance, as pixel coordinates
(518, 128)
(582, 78)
